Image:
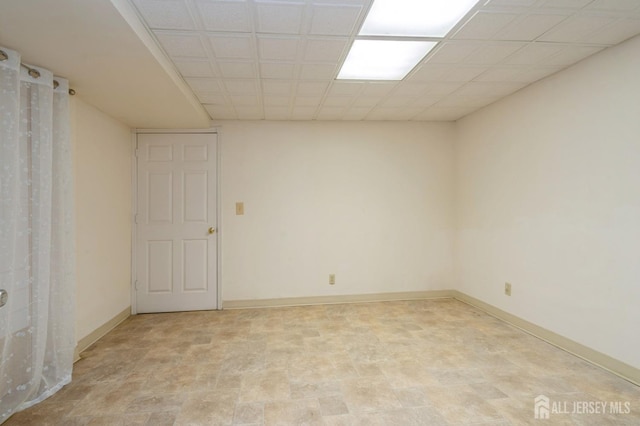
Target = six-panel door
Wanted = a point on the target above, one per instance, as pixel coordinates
(176, 219)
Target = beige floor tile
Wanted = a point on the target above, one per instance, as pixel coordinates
(424, 362)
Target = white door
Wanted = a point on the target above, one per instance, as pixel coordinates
(176, 237)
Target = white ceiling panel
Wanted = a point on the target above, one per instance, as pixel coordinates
(577, 28)
(614, 5)
(339, 20)
(530, 27)
(278, 48)
(183, 45)
(492, 53)
(277, 87)
(279, 59)
(279, 17)
(312, 88)
(325, 50)
(224, 16)
(564, 4)
(195, 68)
(237, 69)
(534, 53)
(484, 25)
(241, 87)
(318, 71)
(616, 32)
(278, 70)
(239, 46)
(166, 14)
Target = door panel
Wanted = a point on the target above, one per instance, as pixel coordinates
(176, 254)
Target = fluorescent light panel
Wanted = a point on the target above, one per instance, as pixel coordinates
(383, 59)
(416, 18)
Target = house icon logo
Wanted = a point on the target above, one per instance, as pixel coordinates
(541, 407)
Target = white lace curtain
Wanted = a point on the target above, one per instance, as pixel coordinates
(37, 267)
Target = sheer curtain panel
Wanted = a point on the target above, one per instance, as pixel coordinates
(37, 253)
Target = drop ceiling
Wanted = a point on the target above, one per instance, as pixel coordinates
(264, 59)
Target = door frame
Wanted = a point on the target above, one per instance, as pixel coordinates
(134, 206)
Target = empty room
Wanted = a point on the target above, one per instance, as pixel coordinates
(331, 212)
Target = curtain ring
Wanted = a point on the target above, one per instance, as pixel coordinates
(34, 73)
(3, 55)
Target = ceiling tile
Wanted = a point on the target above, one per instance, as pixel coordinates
(441, 73)
(377, 89)
(396, 101)
(325, 50)
(237, 69)
(166, 14)
(278, 48)
(571, 54)
(565, 4)
(576, 28)
(483, 25)
(511, 3)
(224, 16)
(220, 113)
(241, 87)
(311, 88)
(452, 52)
(277, 17)
(617, 32)
(530, 27)
(425, 101)
(277, 70)
(318, 71)
(177, 44)
(276, 101)
(411, 89)
(337, 101)
(487, 90)
(492, 53)
(534, 53)
(328, 19)
(204, 85)
(239, 46)
(366, 102)
(194, 68)
(277, 87)
(244, 101)
(307, 101)
(345, 88)
(614, 5)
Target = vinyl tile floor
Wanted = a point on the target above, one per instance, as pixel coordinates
(422, 362)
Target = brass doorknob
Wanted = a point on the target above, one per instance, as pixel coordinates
(212, 230)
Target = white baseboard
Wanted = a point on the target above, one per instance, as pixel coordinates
(613, 365)
(100, 332)
(329, 300)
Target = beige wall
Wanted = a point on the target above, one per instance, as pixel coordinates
(103, 216)
(548, 198)
(370, 202)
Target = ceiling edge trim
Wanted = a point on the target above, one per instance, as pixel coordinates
(130, 15)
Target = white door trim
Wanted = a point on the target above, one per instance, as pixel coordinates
(134, 206)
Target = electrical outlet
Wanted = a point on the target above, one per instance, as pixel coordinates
(332, 279)
(507, 289)
(239, 209)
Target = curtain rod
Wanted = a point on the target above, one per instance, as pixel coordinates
(32, 71)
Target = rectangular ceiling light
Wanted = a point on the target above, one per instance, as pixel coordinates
(383, 59)
(414, 18)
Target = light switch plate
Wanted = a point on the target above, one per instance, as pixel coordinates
(239, 209)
